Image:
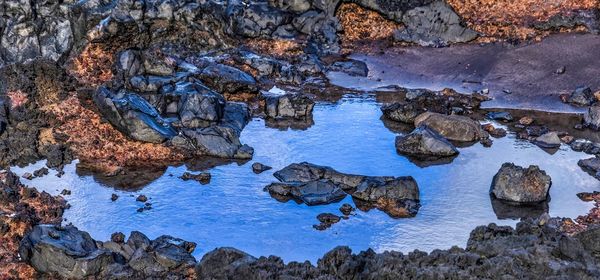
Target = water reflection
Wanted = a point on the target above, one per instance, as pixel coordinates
(233, 210)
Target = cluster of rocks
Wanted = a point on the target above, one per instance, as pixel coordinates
(541, 250)
(54, 29)
(316, 185)
(69, 253)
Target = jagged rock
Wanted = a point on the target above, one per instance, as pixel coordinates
(591, 119)
(223, 263)
(66, 251)
(134, 116)
(517, 184)
(582, 96)
(549, 140)
(227, 79)
(402, 112)
(591, 166)
(435, 25)
(399, 197)
(294, 106)
(200, 108)
(454, 128)
(425, 143)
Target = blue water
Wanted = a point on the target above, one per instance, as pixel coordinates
(233, 210)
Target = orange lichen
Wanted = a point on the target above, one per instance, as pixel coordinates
(97, 143)
(275, 47)
(509, 19)
(17, 98)
(582, 222)
(93, 65)
(361, 25)
(28, 208)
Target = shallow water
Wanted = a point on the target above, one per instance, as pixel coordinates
(233, 210)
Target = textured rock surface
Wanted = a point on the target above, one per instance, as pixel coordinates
(521, 185)
(455, 128)
(314, 184)
(541, 251)
(425, 143)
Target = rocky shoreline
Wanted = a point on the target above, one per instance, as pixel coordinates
(134, 83)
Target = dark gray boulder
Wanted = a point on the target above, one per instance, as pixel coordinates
(521, 185)
(402, 112)
(65, 251)
(397, 196)
(500, 116)
(435, 24)
(425, 143)
(591, 118)
(591, 166)
(200, 108)
(227, 79)
(292, 106)
(133, 115)
(452, 127)
(582, 96)
(311, 193)
(223, 263)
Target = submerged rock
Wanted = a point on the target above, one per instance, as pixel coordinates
(500, 116)
(398, 197)
(452, 127)
(258, 167)
(203, 178)
(351, 67)
(425, 143)
(522, 185)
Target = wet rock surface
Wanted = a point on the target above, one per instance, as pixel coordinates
(314, 185)
(425, 143)
(542, 250)
(521, 185)
(454, 128)
(70, 253)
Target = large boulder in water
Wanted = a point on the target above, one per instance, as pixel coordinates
(222, 263)
(425, 143)
(452, 127)
(67, 252)
(521, 185)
